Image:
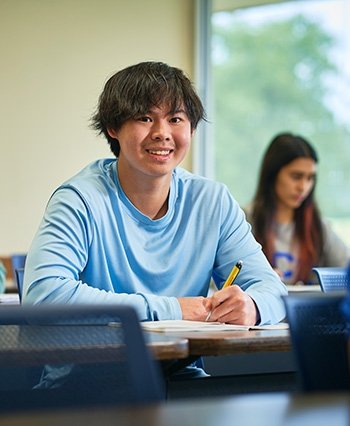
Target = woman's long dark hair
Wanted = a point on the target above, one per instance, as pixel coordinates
(284, 149)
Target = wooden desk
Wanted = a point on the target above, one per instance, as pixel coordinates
(276, 409)
(20, 342)
(168, 347)
(27, 346)
(235, 342)
(238, 361)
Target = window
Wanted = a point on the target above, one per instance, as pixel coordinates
(281, 66)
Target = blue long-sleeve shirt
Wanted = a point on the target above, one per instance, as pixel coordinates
(94, 246)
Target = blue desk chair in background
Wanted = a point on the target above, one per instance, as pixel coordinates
(331, 278)
(18, 261)
(318, 330)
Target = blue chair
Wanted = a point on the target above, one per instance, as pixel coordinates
(70, 339)
(318, 331)
(331, 278)
(17, 261)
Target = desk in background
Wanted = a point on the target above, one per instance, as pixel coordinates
(238, 362)
(235, 342)
(241, 361)
(277, 409)
(304, 288)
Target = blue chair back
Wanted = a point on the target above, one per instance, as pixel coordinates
(331, 278)
(70, 339)
(318, 329)
(18, 261)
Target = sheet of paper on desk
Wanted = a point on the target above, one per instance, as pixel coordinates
(184, 325)
(9, 299)
(302, 287)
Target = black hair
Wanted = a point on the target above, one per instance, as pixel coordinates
(134, 90)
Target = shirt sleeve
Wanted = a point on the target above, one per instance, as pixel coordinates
(59, 253)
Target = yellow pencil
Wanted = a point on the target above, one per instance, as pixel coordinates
(233, 274)
(230, 279)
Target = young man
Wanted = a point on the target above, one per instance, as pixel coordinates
(140, 230)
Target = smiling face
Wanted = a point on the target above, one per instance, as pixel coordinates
(294, 182)
(153, 144)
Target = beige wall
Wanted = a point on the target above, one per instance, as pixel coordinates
(55, 58)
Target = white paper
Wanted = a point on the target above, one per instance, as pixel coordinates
(9, 299)
(198, 326)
